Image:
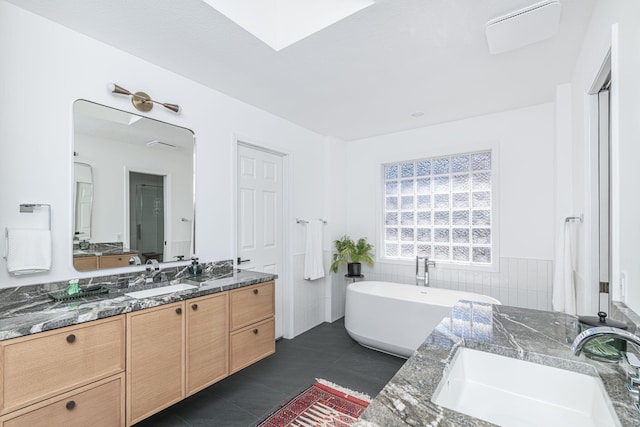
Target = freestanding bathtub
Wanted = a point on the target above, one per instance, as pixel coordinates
(396, 318)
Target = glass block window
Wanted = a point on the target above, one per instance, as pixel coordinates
(440, 208)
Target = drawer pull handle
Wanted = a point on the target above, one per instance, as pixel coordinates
(255, 291)
(178, 310)
(194, 306)
(71, 338)
(70, 405)
(255, 331)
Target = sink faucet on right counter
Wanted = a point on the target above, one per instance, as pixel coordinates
(633, 378)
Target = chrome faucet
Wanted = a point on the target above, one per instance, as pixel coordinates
(633, 379)
(153, 269)
(601, 331)
(425, 278)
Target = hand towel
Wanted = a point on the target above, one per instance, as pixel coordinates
(313, 254)
(564, 288)
(28, 250)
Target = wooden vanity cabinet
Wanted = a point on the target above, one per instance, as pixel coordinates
(174, 351)
(120, 370)
(252, 324)
(86, 263)
(38, 367)
(155, 360)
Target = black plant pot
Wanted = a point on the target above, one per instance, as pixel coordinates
(354, 269)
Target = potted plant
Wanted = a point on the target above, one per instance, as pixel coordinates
(351, 253)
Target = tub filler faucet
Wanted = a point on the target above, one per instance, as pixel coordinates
(425, 273)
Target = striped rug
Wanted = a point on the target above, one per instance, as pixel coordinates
(324, 404)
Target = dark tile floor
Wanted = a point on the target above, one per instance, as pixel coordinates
(246, 397)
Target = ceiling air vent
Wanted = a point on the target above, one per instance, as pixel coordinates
(522, 27)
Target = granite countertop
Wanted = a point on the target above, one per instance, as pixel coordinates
(538, 336)
(29, 309)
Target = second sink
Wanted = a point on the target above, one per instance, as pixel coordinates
(507, 391)
(160, 291)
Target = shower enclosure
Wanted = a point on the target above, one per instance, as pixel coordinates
(147, 216)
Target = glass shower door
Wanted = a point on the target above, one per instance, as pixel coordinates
(149, 217)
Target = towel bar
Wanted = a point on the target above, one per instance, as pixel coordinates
(574, 218)
(304, 221)
(30, 207)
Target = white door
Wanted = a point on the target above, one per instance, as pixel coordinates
(260, 240)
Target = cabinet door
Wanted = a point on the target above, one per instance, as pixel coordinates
(251, 304)
(99, 404)
(207, 341)
(39, 366)
(155, 360)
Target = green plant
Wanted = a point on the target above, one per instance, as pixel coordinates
(348, 251)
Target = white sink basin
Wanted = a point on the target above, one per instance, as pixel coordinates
(512, 392)
(160, 291)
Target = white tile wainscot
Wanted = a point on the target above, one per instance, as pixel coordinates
(521, 282)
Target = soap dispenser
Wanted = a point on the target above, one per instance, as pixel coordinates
(195, 269)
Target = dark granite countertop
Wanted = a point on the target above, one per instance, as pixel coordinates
(28, 310)
(539, 336)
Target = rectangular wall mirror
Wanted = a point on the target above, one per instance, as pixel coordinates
(133, 189)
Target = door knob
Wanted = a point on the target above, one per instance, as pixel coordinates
(240, 260)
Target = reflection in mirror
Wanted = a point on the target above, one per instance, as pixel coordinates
(83, 201)
(133, 189)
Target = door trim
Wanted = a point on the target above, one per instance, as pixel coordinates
(285, 276)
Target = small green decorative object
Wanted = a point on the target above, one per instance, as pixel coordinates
(73, 288)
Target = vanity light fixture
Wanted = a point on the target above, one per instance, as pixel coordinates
(141, 100)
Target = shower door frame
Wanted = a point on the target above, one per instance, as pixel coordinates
(166, 176)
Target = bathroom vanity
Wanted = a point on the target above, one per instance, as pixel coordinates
(532, 336)
(113, 360)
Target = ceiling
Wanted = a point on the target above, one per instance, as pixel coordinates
(360, 77)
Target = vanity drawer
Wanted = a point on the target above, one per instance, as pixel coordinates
(97, 405)
(40, 366)
(111, 261)
(84, 263)
(251, 304)
(252, 343)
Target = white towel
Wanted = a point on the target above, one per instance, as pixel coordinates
(564, 288)
(28, 250)
(313, 254)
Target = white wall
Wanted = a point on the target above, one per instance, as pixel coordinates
(614, 24)
(46, 67)
(525, 143)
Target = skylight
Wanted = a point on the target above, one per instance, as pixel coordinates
(281, 23)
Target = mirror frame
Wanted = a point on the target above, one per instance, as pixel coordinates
(95, 249)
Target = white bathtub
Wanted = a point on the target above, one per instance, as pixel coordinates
(396, 318)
